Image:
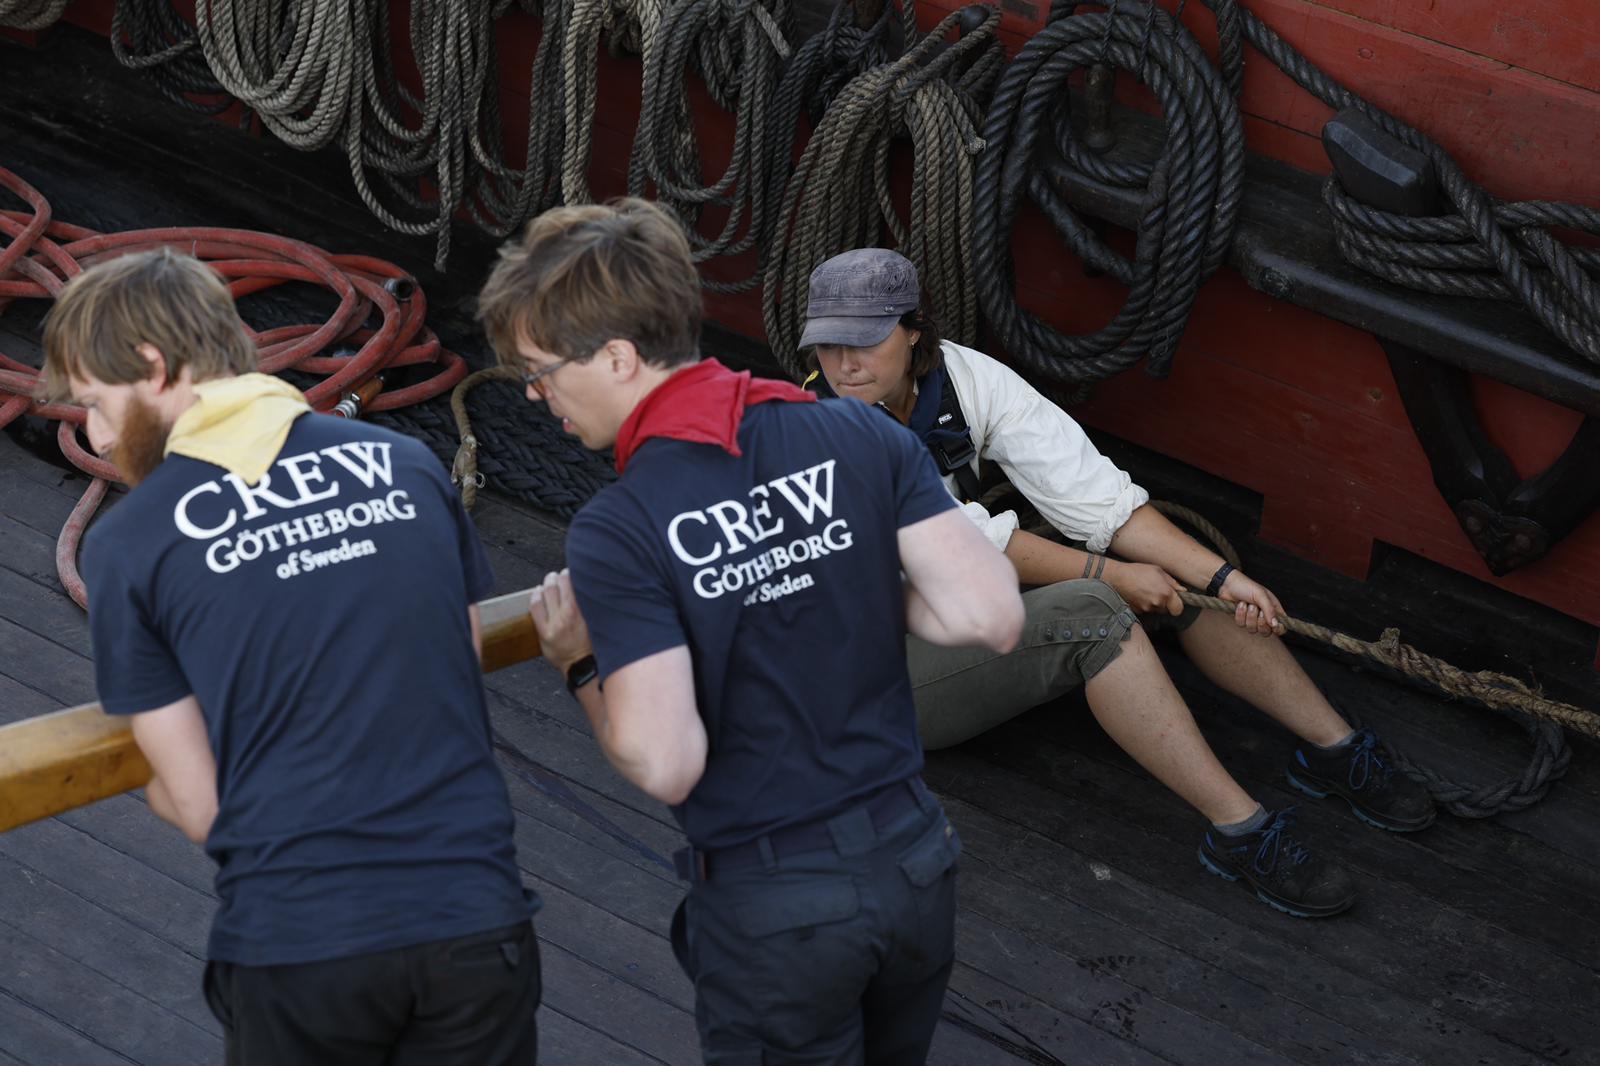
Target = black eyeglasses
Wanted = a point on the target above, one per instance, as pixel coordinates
(535, 379)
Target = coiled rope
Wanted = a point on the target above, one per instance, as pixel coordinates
(840, 196)
(1450, 254)
(1482, 249)
(1542, 719)
(30, 14)
(321, 71)
(1191, 196)
(150, 35)
(630, 25)
(740, 47)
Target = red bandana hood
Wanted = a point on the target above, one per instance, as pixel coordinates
(703, 403)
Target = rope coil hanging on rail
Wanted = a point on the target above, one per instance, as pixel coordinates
(629, 25)
(740, 47)
(321, 71)
(30, 14)
(150, 35)
(1484, 249)
(840, 196)
(1509, 240)
(1192, 190)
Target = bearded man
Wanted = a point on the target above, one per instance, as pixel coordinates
(284, 606)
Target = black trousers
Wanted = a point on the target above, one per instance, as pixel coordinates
(468, 1001)
(836, 957)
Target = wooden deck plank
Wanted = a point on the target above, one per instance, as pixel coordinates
(1011, 1024)
(1395, 939)
(1475, 865)
(44, 665)
(107, 1012)
(1215, 961)
(44, 612)
(957, 1042)
(1171, 1008)
(28, 552)
(62, 919)
(631, 1016)
(568, 1041)
(35, 1038)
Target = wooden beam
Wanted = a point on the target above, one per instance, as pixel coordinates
(55, 762)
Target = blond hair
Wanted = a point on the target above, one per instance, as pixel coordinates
(163, 298)
(590, 273)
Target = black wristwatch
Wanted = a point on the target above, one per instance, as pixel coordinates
(1219, 579)
(581, 673)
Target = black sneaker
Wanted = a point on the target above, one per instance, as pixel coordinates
(1364, 773)
(1282, 870)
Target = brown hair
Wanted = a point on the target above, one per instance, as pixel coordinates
(162, 298)
(589, 273)
(926, 355)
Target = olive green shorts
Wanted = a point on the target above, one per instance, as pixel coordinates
(1073, 630)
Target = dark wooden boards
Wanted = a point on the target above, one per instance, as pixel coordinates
(1088, 933)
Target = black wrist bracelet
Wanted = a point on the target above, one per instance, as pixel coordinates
(1100, 569)
(1088, 564)
(1219, 579)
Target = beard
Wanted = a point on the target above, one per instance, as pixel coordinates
(142, 444)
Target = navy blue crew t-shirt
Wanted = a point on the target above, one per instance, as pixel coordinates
(780, 569)
(320, 618)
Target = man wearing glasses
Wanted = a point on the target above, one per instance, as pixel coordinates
(733, 625)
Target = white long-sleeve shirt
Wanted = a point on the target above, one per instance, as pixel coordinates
(1043, 452)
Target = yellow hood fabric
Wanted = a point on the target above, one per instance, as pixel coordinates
(238, 423)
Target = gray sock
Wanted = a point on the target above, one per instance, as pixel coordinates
(1248, 825)
(1337, 745)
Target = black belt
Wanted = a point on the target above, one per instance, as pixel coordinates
(884, 807)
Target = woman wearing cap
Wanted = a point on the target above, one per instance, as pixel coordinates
(870, 340)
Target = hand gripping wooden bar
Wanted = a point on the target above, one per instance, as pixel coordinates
(55, 762)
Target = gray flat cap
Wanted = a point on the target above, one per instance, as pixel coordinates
(856, 298)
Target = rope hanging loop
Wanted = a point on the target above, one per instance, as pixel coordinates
(1191, 189)
(840, 196)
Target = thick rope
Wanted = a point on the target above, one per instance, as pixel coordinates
(1541, 718)
(740, 47)
(30, 14)
(631, 25)
(150, 35)
(321, 71)
(840, 198)
(464, 467)
(1191, 199)
(1502, 251)
(1484, 249)
(521, 451)
(505, 197)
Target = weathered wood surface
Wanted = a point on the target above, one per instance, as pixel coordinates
(1088, 933)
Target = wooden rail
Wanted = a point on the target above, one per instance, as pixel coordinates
(55, 762)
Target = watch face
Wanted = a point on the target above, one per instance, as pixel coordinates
(581, 673)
